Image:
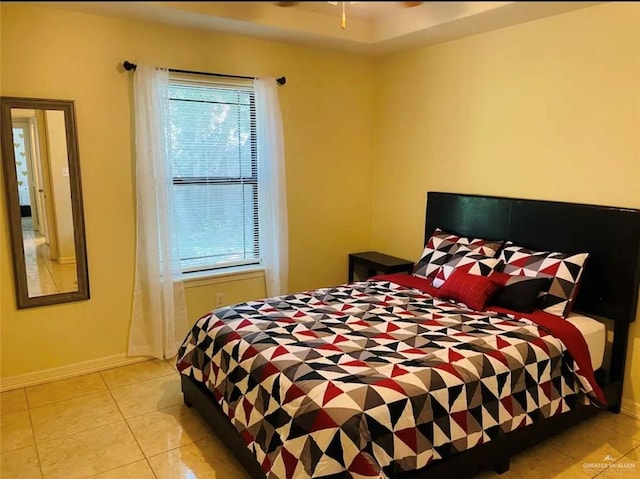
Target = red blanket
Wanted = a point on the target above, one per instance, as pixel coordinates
(561, 329)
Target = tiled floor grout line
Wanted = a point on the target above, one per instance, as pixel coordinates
(36, 442)
(170, 450)
(33, 432)
(75, 433)
(126, 419)
(577, 461)
(137, 415)
(637, 446)
(104, 380)
(110, 388)
(209, 430)
(147, 412)
(595, 421)
(141, 382)
(606, 425)
(68, 399)
(116, 468)
(146, 459)
(574, 459)
(144, 456)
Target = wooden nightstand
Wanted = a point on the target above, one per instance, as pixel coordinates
(378, 263)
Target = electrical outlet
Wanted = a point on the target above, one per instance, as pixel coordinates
(219, 299)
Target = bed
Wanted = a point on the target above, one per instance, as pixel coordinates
(382, 378)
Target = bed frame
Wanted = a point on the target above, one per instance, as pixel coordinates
(609, 289)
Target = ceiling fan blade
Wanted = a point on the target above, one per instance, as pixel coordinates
(411, 4)
(285, 4)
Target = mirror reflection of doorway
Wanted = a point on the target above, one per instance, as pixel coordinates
(48, 272)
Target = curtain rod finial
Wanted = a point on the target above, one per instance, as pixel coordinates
(129, 66)
(282, 80)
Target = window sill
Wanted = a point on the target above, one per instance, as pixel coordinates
(227, 275)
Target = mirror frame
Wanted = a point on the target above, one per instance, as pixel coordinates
(13, 202)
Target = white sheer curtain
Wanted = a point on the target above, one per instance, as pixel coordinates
(272, 193)
(159, 318)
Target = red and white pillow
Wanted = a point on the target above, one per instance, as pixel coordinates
(438, 251)
(565, 271)
(467, 260)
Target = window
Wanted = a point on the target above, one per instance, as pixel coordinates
(213, 149)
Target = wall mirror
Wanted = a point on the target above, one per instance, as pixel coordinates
(44, 200)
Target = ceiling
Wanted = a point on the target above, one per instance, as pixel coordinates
(372, 27)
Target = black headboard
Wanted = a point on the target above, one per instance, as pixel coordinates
(611, 279)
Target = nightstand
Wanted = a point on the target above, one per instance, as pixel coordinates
(378, 263)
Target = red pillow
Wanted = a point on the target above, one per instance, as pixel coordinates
(470, 289)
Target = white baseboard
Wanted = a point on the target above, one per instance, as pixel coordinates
(630, 408)
(64, 372)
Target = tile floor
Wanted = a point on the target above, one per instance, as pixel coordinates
(130, 423)
(43, 275)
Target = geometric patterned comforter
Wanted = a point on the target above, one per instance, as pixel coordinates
(363, 379)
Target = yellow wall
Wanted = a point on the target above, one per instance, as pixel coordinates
(201, 295)
(548, 110)
(327, 114)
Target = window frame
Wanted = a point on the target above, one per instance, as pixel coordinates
(233, 84)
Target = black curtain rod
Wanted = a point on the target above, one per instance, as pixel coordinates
(132, 66)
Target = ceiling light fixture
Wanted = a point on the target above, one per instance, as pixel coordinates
(343, 23)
